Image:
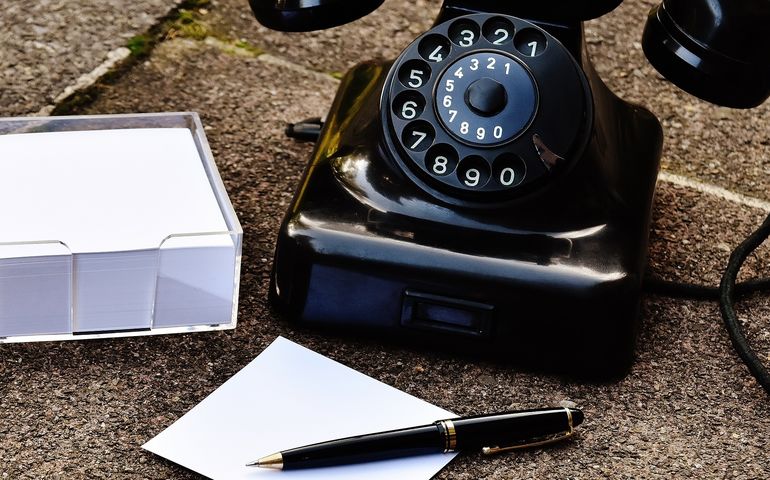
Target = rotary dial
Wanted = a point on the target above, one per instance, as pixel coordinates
(485, 106)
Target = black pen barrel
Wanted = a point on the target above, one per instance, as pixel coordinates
(503, 429)
(366, 448)
(509, 428)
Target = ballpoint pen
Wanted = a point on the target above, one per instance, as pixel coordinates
(491, 433)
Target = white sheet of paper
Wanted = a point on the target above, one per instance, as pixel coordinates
(288, 397)
(104, 190)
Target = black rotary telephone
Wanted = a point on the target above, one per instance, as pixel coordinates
(485, 191)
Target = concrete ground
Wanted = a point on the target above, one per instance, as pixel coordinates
(687, 409)
(48, 44)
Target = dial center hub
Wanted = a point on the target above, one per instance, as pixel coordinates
(486, 97)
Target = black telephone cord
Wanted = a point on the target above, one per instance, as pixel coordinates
(726, 294)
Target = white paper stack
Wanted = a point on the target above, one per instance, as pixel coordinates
(112, 231)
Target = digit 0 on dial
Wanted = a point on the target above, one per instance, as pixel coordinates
(477, 109)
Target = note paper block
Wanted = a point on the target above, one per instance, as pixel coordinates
(113, 225)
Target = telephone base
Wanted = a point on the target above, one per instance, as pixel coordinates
(551, 281)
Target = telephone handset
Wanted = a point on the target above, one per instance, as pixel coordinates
(309, 15)
(717, 50)
(485, 191)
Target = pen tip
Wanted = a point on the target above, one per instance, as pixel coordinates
(271, 461)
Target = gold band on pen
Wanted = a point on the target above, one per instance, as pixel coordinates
(450, 435)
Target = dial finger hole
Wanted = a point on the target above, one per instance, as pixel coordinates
(530, 42)
(509, 170)
(499, 31)
(408, 105)
(418, 136)
(464, 33)
(473, 172)
(441, 160)
(435, 48)
(414, 73)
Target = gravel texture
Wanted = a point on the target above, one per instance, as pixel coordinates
(382, 34)
(48, 44)
(688, 408)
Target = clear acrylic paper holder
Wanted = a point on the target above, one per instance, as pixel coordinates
(189, 283)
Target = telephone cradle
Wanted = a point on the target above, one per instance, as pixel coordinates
(484, 193)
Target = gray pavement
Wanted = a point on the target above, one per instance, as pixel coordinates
(46, 45)
(688, 408)
(383, 34)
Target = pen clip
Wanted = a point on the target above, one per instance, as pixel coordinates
(540, 442)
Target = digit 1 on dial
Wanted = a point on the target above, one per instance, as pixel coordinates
(530, 42)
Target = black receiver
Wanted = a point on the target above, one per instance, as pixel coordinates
(716, 50)
(485, 191)
(309, 15)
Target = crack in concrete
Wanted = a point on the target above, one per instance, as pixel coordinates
(119, 61)
(113, 60)
(714, 190)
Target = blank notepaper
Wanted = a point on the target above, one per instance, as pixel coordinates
(288, 397)
(123, 224)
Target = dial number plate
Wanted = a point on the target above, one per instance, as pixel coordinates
(486, 98)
